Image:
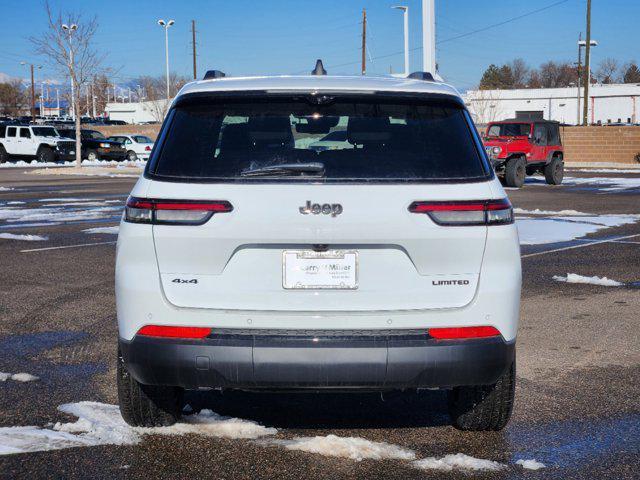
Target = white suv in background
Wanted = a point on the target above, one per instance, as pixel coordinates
(137, 146)
(248, 261)
(31, 142)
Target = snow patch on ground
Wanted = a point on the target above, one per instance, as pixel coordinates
(595, 280)
(18, 377)
(609, 184)
(605, 170)
(535, 231)
(354, 448)
(15, 202)
(27, 238)
(109, 230)
(521, 211)
(5, 189)
(102, 424)
(85, 163)
(530, 464)
(457, 461)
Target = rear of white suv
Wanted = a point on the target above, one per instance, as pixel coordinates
(248, 260)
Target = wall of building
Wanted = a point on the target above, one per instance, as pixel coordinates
(601, 144)
(150, 131)
(137, 112)
(607, 104)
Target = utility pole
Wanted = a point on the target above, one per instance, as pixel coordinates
(33, 97)
(193, 41)
(41, 99)
(58, 103)
(587, 75)
(579, 75)
(364, 41)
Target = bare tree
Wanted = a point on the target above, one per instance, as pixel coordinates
(520, 72)
(485, 105)
(13, 97)
(608, 71)
(154, 89)
(67, 46)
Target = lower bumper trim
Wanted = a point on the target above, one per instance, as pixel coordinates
(378, 362)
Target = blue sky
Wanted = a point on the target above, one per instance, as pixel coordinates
(285, 36)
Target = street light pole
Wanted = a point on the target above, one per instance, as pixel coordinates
(587, 61)
(166, 26)
(405, 14)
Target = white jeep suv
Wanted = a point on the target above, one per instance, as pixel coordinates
(247, 260)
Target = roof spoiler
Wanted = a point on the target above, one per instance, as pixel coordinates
(212, 74)
(426, 76)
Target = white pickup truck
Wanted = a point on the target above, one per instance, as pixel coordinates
(31, 142)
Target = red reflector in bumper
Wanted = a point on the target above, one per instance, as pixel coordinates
(174, 332)
(463, 332)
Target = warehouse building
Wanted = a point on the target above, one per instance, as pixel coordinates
(616, 103)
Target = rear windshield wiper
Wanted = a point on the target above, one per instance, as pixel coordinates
(313, 168)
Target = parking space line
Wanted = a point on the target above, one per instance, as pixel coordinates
(67, 246)
(596, 242)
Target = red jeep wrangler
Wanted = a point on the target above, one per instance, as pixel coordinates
(520, 147)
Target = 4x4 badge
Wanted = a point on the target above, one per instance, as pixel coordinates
(332, 209)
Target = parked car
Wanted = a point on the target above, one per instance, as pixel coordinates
(31, 142)
(518, 148)
(95, 146)
(246, 263)
(137, 146)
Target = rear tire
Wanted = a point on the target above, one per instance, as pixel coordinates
(4, 156)
(554, 171)
(92, 155)
(484, 407)
(146, 405)
(46, 155)
(515, 171)
(131, 156)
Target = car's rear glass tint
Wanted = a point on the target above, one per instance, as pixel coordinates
(353, 139)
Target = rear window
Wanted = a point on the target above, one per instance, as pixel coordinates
(271, 137)
(509, 130)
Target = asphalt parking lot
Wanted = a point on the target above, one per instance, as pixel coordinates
(577, 405)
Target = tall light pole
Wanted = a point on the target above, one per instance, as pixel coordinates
(405, 14)
(69, 29)
(428, 36)
(166, 26)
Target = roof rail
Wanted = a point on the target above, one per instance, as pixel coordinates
(319, 68)
(211, 74)
(426, 76)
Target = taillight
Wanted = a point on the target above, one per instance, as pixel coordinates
(452, 333)
(173, 212)
(174, 332)
(147, 148)
(475, 212)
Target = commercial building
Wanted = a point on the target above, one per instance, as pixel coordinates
(137, 112)
(616, 103)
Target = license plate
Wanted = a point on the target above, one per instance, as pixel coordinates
(305, 269)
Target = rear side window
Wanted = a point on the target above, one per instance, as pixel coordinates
(374, 138)
(25, 133)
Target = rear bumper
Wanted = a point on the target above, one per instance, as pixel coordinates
(377, 361)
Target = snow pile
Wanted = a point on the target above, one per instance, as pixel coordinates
(109, 230)
(15, 202)
(18, 377)
(606, 170)
(5, 189)
(85, 163)
(102, 424)
(564, 228)
(457, 461)
(354, 448)
(530, 464)
(28, 238)
(595, 280)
